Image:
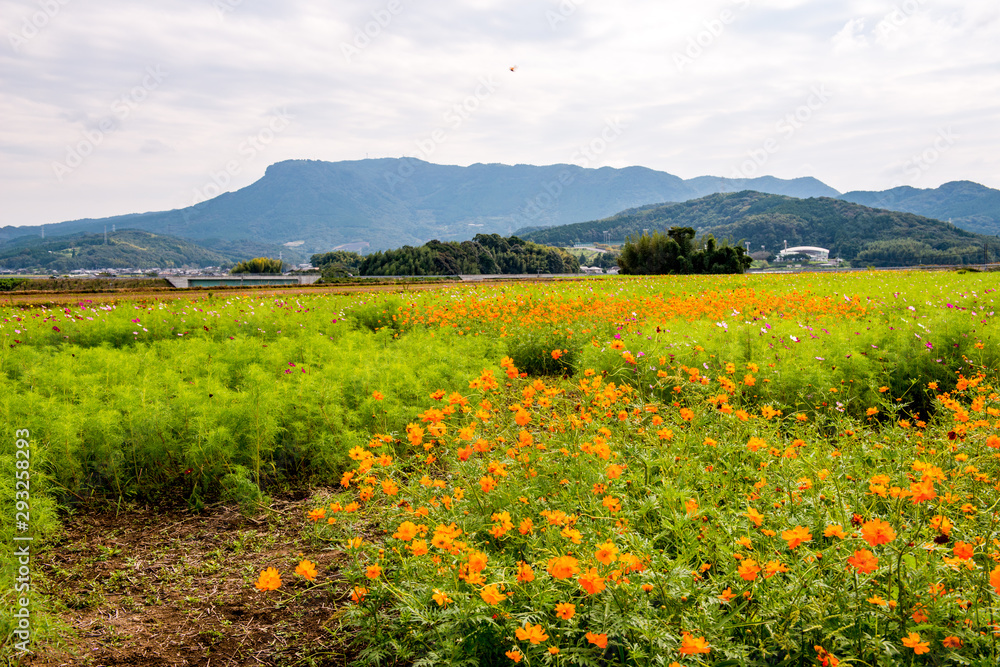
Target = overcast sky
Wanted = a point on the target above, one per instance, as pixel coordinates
(117, 106)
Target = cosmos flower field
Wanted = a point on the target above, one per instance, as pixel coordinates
(676, 470)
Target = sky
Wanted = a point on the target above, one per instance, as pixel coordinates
(117, 107)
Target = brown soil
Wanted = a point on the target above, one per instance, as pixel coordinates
(148, 587)
(40, 298)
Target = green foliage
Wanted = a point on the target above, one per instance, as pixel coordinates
(259, 265)
(336, 264)
(380, 313)
(8, 284)
(674, 253)
(485, 254)
(532, 352)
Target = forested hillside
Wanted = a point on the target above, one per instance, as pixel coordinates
(850, 231)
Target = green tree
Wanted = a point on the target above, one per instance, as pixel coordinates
(259, 265)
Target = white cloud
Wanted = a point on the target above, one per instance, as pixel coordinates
(851, 37)
(227, 71)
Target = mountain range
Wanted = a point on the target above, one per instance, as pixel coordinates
(305, 206)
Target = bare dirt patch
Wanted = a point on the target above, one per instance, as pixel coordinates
(147, 587)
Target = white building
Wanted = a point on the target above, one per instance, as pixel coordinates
(817, 254)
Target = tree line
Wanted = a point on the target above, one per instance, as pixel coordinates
(675, 252)
(484, 254)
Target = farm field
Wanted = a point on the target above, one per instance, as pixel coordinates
(796, 469)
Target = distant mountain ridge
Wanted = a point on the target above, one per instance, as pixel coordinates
(850, 231)
(315, 206)
(386, 203)
(963, 203)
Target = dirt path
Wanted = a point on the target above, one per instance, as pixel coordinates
(15, 299)
(37, 298)
(152, 588)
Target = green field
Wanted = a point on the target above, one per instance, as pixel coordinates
(707, 469)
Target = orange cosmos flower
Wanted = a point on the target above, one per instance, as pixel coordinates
(306, 569)
(317, 514)
(487, 484)
(687, 414)
(358, 594)
(773, 567)
(951, 642)
(796, 536)
(863, 561)
(607, 553)
(592, 582)
(441, 597)
(995, 579)
(756, 517)
(406, 531)
(491, 595)
(691, 645)
(598, 640)
(563, 567)
(565, 610)
(748, 569)
(877, 532)
(374, 571)
(525, 573)
(834, 530)
(921, 491)
(269, 580)
(418, 547)
(514, 655)
(963, 550)
(532, 633)
(913, 641)
(477, 561)
(377, 395)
